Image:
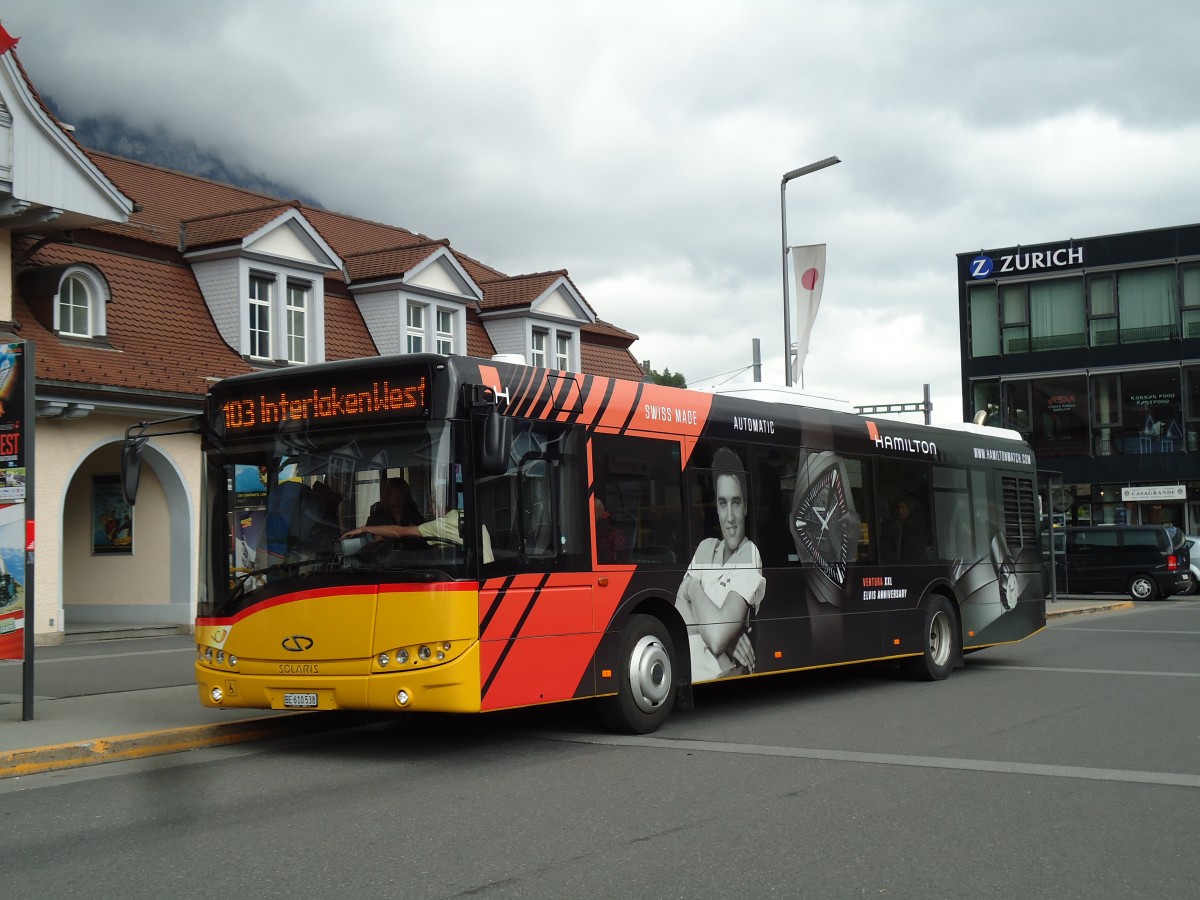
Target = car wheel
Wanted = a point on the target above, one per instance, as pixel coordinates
(645, 678)
(940, 638)
(1142, 587)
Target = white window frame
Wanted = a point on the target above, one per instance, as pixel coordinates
(562, 350)
(95, 296)
(538, 338)
(414, 327)
(297, 315)
(259, 330)
(444, 336)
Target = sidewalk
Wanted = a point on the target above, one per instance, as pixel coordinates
(132, 724)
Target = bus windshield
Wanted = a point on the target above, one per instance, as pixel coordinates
(302, 511)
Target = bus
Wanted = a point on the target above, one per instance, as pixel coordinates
(450, 534)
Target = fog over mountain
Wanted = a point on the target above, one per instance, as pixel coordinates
(115, 135)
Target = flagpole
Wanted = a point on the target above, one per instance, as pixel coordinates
(787, 313)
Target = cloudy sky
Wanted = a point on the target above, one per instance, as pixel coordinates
(640, 144)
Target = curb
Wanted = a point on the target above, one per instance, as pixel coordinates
(39, 760)
(1087, 610)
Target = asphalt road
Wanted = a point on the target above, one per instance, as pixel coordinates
(1065, 766)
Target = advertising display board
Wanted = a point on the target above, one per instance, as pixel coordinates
(13, 496)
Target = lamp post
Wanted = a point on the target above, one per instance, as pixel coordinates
(787, 316)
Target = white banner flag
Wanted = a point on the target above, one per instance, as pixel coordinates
(809, 264)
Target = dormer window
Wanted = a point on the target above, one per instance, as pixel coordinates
(562, 351)
(416, 328)
(537, 348)
(433, 327)
(445, 332)
(260, 315)
(297, 321)
(79, 304)
(279, 328)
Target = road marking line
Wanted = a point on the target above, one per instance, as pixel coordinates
(974, 666)
(1177, 779)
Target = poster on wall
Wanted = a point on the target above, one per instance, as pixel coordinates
(13, 535)
(112, 517)
(12, 580)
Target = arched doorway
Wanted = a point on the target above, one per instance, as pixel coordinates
(122, 567)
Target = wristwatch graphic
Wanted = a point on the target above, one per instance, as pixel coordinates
(1006, 572)
(825, 525)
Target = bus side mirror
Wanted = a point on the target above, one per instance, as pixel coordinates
(494, 443)
(131, 468)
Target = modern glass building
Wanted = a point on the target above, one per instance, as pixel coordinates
(1091, 349)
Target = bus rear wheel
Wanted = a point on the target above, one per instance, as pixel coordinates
(645, 678)
(940, 643)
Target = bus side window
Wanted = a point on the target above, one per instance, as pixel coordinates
(639, 482)
(858, 474)
(773, 479)
(951, 517)
(902, 501)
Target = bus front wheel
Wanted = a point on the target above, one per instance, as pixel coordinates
(645, 678)
(940, 637)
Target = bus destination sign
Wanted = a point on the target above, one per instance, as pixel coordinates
(330, 403)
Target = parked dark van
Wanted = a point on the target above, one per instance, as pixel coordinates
(1145, 561)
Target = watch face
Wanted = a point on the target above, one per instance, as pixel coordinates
(825, 524)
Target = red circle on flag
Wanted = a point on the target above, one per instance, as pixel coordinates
(809, 279)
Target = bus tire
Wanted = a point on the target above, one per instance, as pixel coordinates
(940, 640)
(645, 678)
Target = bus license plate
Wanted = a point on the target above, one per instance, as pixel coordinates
(299, 701)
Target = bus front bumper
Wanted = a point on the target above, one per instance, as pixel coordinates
(449, 687)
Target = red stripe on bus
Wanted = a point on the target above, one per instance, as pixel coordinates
(542, 639)
(280, 600)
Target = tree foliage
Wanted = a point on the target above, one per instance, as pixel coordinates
(669, 378)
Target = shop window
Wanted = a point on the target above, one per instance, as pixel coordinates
(1060, 417)
(1106, 412)
(985, 397)
(1151, 412)
(1015, 406)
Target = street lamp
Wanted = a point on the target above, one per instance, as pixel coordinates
(787, 317)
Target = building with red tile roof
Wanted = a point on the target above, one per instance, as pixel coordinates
(136, 287)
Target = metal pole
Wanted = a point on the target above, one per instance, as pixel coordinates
(787, 318)
(756, 358)
(29, 364)
(787, 312)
